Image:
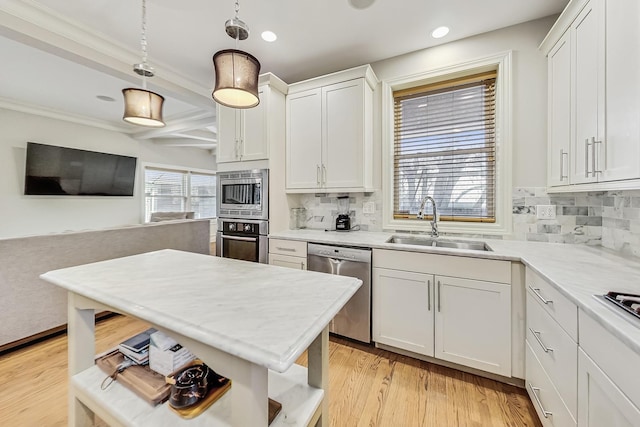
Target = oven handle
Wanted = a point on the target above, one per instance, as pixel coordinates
(244, 239)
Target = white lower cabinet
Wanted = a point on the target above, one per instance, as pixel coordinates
(460, 320)
(546, 399)
(473, 323)
(403, 310)
(288, 261)
(288, 253)
(600, 401)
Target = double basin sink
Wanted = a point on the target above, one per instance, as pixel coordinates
(439, 243)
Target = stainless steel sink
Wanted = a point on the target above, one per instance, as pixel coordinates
(439, 243)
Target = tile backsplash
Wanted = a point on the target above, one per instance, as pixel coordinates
(609, 219)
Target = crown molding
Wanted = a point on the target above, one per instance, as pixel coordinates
(38, 110)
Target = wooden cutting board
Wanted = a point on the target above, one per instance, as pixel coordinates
(144, 382)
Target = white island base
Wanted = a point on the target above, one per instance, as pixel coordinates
(299, 390)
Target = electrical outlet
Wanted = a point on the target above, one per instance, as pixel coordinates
(368, 207)
(546, 212)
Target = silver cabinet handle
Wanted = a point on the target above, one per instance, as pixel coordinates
(562, 154)
(534, 391)
(536, 335)
(586, 157)
(285, 249)
(241, 147)
(318, 175)
(536, 291)
(596, 161)
(439, 296)
(429, 295)
(324, 175)
(302, 265)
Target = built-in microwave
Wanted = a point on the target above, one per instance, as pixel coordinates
(243, 194)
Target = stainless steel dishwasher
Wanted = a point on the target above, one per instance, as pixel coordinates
(354, 320)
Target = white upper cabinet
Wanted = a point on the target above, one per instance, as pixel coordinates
(559, 65)
(622, 145)
(304, 139)
(588, 85)
(247, 134)
(593, 55)
(330, 133)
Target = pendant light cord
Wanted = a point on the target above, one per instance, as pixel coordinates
(237, 32)
(143, 43)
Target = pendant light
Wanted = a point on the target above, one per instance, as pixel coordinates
(236, 71)
(141, 106)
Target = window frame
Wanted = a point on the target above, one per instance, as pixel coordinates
(502, 64)
(171, 168)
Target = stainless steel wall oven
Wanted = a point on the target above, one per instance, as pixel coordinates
(243, 213)
(242, 239)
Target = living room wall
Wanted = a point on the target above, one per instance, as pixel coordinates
(22, 215)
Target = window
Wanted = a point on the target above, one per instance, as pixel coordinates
(445, 147)
(169, 190)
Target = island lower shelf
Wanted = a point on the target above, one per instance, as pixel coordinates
(119, 406)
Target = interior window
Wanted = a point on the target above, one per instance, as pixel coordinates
(445, 147)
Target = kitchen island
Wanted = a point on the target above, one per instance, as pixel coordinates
(247, 321)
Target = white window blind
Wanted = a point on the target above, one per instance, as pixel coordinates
(444, 147)
(179, 191)
(203, 195)
(165, 191)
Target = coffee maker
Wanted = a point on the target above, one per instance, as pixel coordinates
(343, 221)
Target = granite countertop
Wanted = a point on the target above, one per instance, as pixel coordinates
(265, 314)
(578, 271)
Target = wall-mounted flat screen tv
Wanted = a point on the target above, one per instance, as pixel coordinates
(52, 170)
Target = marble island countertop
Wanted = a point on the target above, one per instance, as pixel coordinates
(579, 272)
(265, 314)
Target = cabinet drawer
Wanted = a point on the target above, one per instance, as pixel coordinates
(615, 358)
(553, 302)
(544, 395)
(288, 261)
(555, 350)
(288, 247)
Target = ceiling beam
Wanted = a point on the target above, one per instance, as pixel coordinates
(36, 26)
(174, 128)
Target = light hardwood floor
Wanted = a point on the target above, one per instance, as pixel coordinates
(368, 387)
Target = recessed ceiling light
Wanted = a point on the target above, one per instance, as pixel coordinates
(361, 4)
(269, 36)
(440, 32)
(105, 98)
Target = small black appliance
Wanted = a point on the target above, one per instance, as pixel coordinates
(343, 221)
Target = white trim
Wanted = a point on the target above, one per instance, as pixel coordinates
(501, 62)
(38, 110)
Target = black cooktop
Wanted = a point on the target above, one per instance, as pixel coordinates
(625, 301)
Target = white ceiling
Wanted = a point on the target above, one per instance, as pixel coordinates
(59, 55)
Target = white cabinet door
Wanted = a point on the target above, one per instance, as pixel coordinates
(588, 89)
(600, 401)
(473, 324)
(403, 310)
(622, 144)
(242, 134)
(254, 141)
(343, 134)
(288, 261)
(304, 140)
(228, 131)
(559, 68)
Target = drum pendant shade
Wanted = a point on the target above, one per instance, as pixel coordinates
(143, 107)
(236, 79)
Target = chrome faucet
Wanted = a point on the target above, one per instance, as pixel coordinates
(434, 223)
